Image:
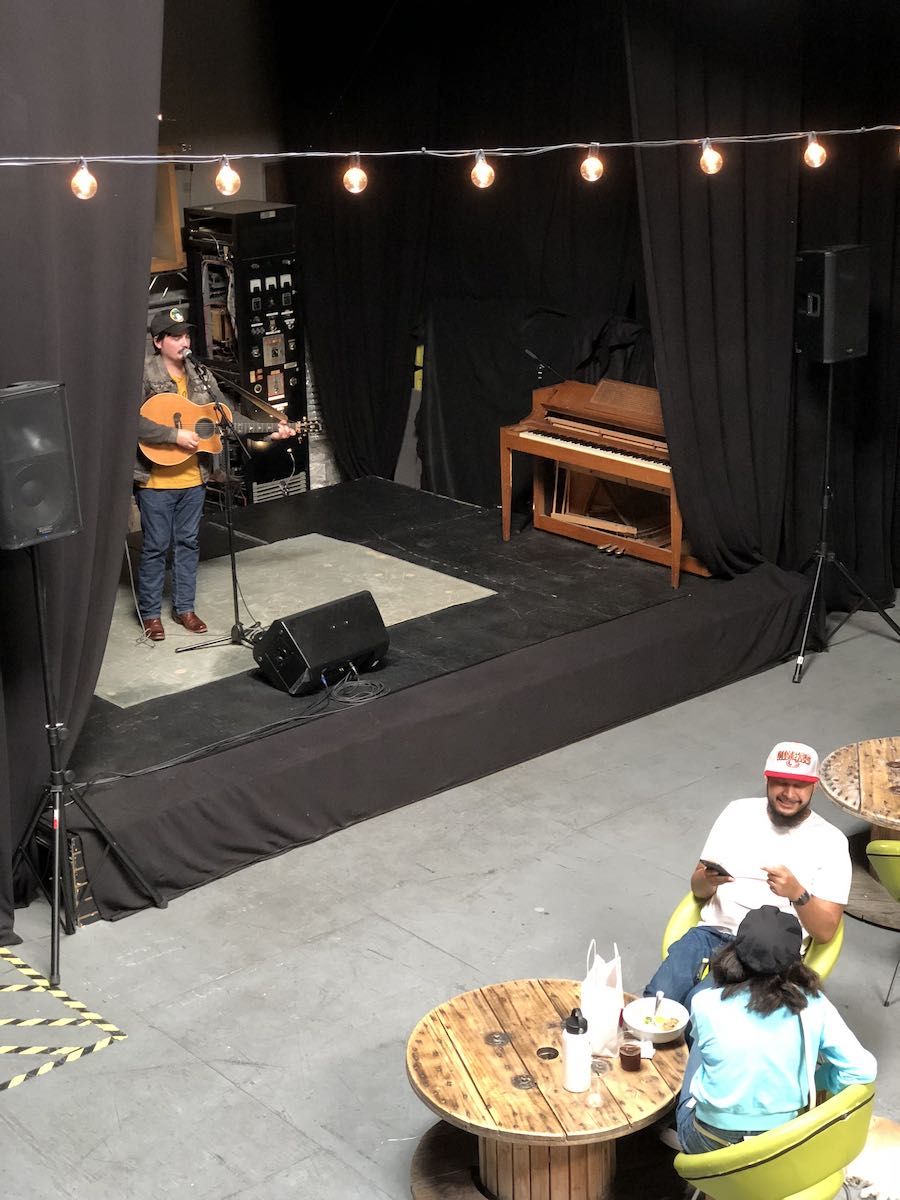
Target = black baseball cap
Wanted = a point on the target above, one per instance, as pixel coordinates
(768, 940)
(170, 320)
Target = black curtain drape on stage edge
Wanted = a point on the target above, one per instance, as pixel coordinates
(361, 277)
(720, 256)
(851, 81)
(361, 257)
(80, 79)
(542, 260)
(542, 256)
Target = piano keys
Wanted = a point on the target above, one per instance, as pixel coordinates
(601, 471)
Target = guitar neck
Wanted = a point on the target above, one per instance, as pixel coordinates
(255, 426)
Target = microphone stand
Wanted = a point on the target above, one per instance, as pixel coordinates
(239, 636)
(57, 794)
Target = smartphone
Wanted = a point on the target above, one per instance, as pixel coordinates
(714, 866)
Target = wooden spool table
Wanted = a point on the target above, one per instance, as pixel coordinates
(478, 1061)
(863, 778)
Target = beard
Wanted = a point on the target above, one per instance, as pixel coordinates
(787, 820)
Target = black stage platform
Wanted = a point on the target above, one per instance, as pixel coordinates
(201, 783)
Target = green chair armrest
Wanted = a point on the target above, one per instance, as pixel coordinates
(791, 1158)
(821, 956)
(685, 917)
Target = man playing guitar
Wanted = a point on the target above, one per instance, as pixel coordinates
(170, 496)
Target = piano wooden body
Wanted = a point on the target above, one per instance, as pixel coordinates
(601, 471)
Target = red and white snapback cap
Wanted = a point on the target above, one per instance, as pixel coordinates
(793, 760)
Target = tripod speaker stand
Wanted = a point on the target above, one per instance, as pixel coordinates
(56, 795)
(824, 556)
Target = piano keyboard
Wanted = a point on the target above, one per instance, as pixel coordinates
(601, 451)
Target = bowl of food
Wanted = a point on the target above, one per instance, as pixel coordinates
(666, 1026)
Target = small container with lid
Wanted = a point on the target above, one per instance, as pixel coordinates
(576, 1053)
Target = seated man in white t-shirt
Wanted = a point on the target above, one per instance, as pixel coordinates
(772, 850)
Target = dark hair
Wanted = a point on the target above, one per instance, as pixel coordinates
(789, 989)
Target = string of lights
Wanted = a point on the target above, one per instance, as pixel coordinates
(355, 179)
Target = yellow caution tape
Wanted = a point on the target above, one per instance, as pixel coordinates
(62, 1054)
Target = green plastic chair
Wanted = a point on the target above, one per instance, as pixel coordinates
(821, 956)
(884, 855)
(803, 1159)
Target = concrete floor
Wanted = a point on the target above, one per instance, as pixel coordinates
(267, 1013)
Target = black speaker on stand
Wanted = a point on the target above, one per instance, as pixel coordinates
(39, 502)
(38, 489)
(831, 326)
(296, 653)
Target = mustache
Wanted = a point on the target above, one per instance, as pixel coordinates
(786, 820)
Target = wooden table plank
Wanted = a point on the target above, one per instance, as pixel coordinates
(469, 1023)
(440, 1078)
(526, 1008)
(670, 1061)
(564, 995)
(642, 1095)
(879, 781)
(864, 779)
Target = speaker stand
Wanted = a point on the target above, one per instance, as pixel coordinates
(824, 556)
(57, 793)
(239, 636)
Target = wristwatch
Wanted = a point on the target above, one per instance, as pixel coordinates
(802, 899)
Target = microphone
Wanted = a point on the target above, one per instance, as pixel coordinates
(188, 356)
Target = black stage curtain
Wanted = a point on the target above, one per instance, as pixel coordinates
(75, 78)
(720, 259)
(361, 279)
(543, 261)
(851, 81)
(540, 261)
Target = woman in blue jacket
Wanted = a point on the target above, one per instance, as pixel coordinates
(754, 1034)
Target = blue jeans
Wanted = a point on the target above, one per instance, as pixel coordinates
(677, 975)
(169, 517)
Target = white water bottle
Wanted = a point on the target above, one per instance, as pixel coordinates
(576, 1053)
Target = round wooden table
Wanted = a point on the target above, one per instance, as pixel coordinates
(480, 1061)
(863, 778)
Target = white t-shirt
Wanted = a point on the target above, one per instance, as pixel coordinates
(744, 841)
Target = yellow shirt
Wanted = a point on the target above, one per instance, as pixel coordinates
(184, 474)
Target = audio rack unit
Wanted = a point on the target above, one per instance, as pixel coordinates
(243, 294)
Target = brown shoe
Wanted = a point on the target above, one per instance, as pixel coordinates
(191, 622)
(153, 628)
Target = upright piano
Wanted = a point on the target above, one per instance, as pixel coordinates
(601, 471)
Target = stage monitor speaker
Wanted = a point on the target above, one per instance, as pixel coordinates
(295, 653)
(38, 488)
(832, 289)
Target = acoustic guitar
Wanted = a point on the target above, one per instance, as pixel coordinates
(168, 408)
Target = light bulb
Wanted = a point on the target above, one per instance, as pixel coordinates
(83, 184)
(592, 168)
(710, 160)
(355, 178)
(814, 154)
(228, 181)
(482, 173)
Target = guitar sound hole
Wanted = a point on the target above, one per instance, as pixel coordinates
(204, 427)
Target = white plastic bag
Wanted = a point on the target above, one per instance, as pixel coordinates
(602, 999)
